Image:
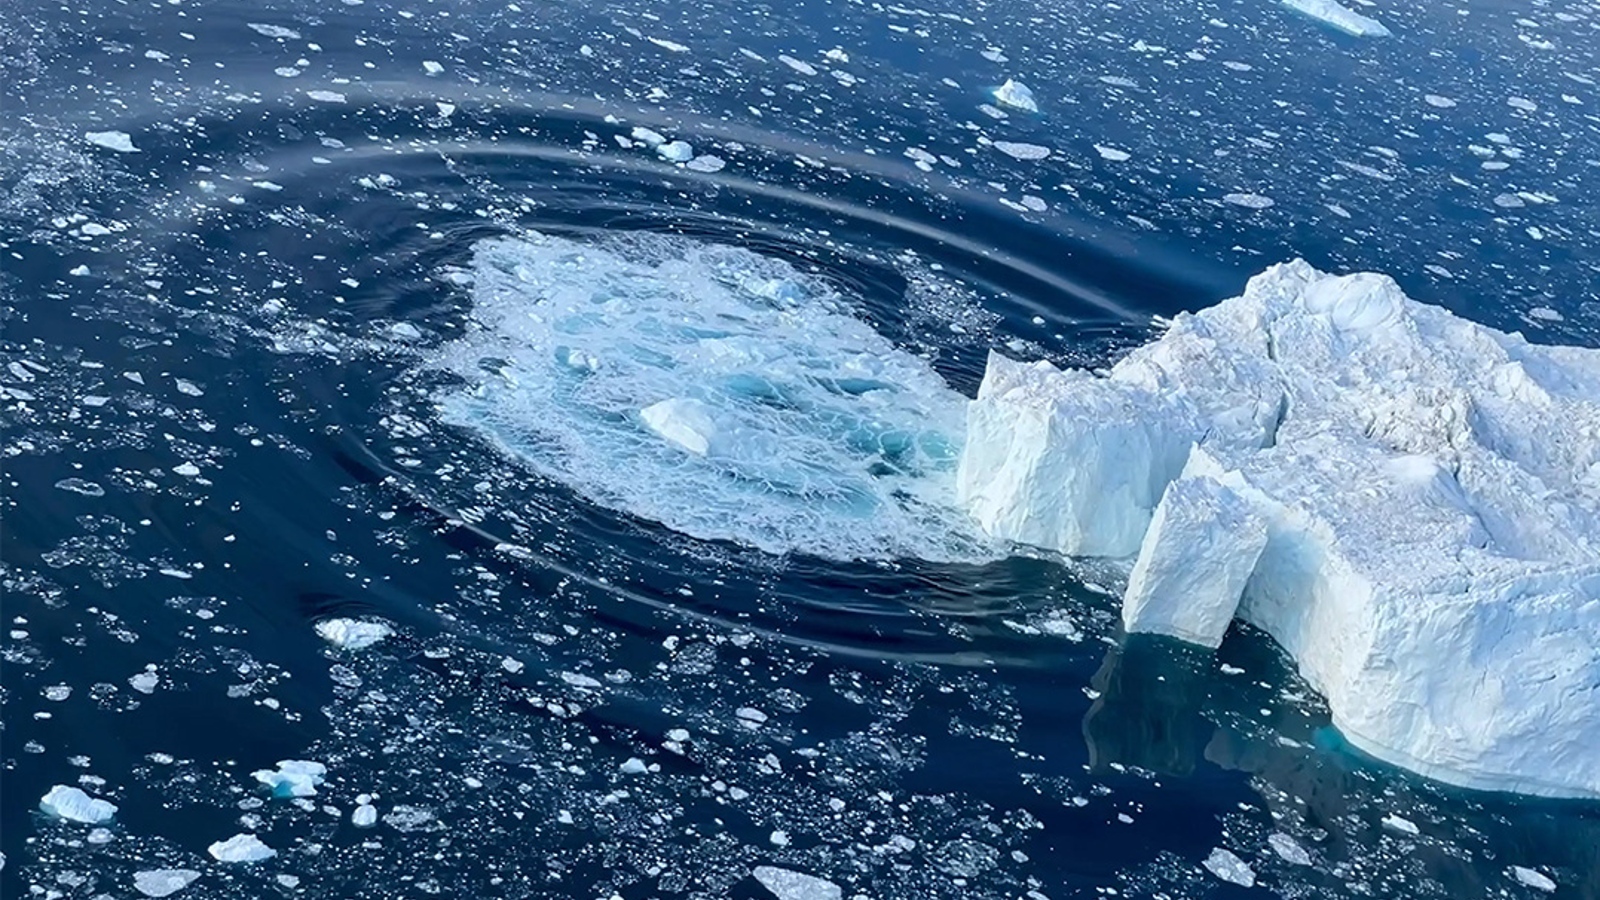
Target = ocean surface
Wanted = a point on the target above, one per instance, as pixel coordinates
(358, 310)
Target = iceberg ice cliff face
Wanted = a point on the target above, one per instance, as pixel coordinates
(1408, 502)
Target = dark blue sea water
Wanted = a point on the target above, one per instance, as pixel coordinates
(253, 381)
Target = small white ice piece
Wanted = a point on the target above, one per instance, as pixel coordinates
(786, 884)
(1225, 865)
(163, 882)
(683, 421)
(676, 151)
(293, 777)
(1016, 95)
(1534, 879)
(119, 141)
(353, 634)
(241, 848)
(74, 805)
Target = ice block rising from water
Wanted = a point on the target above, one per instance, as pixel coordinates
(1408, 502)
(1339, 16)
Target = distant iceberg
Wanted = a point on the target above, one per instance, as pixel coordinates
(1408, 502)
(1337, 15)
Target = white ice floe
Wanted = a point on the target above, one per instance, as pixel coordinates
(1225, 865)
(74, 805)
(241, 848)
(1534, 879)
(1430, 490)
(676, 151)
(353, 634)
(1339, 16)
(293, 777)
(786, 884)
(119, 141)
(1019, 150)
(163, 882)
(1016, 95)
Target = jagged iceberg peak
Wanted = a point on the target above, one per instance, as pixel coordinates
(1429, 489)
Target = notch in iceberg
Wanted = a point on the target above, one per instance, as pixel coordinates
(1406, 501)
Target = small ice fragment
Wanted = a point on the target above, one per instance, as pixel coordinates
(144, 682)
(273, 31)
(647, 136)
(1288, 848)
(185, 386)
(682, 421)
(1223, 864)
(74, 805)
(1439, 101)
(672, 46)
(1536, 880)
(80, 486)
(119, 141)
(187, 470)
(1016, 95)
(79, 271)
(241, 848)
(163, 882)
(634, 766)
(353, 634)
(431, 67)
(1400, 824)
(405, 331)
(293, 777)
(1017, 150)
(326, 96)
(1248, 201)
(1112, 154)
(751, 717)
(786, 884)
(365, 816)
(676, 151)
(705, 163)
(804, 68)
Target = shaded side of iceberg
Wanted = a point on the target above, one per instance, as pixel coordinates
(1408, 502)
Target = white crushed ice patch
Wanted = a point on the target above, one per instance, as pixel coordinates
(74, 805)
(787, 884)
(241, 848)
(353, 634)
(1230, 868)
(163, 882)
(1017, 150)
(119, 141)
(712, 390)
(1016, 95)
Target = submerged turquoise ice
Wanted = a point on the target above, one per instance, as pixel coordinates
(720, 393)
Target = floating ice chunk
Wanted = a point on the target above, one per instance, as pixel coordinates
(1112, 154)
(1225, 865)
(1201, 546)
(705, 163)
(1016, 95)
(675, 151)
(1017, 150)
(1248, 201)
(685, 422)
(326, 96)
(119, 141)
(1338, 16)
(273, 31)
(364, 816)
(786, 884)
(633, 766)
(1534, 879)
(293, 777)
(241, 848)
(1288, 849)
(1401, 824)
(144, 682)
(74, 805)
(432, 67)
(163, 882)
(648, 137)
(353, 634)
(1431, 492)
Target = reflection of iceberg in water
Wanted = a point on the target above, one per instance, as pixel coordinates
(712, 390)
(1147, 713)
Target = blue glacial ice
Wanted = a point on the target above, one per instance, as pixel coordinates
(717, 392)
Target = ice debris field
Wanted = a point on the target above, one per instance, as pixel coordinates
(1406, 501)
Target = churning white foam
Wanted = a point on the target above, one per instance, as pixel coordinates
(713, 390)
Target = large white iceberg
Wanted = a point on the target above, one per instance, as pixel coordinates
(1337, 15)
(1428, 489)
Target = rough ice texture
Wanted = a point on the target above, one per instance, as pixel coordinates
(353, 634)
(1202, 545)
(786, 884)
(1337, 15)
(241, 848)
(74, 805)
(293, 777)
(1016, 95)
(1431, 494)
(163, 882)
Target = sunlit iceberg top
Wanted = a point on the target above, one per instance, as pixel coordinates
(1407, 501)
